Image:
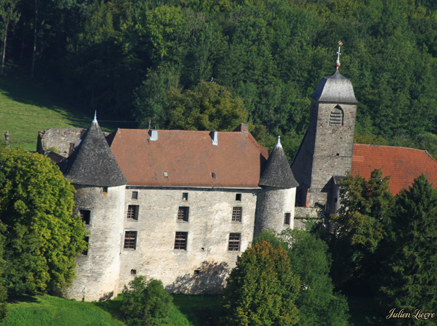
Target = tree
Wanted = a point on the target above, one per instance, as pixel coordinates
(42, 238)
(359, 226)
(261, 289)
(408, 277)
(10, 15)
(317, 302)
(209, 107)
(146, 303)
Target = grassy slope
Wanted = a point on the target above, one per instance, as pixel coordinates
(52, 311)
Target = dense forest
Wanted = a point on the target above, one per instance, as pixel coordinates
(188, 63)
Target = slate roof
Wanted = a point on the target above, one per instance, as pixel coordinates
(335, 89)
(277, 172)
(92, 162)
(188, 158)
(401, 163)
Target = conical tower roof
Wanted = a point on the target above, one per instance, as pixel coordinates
(277, 172)
(92, 162)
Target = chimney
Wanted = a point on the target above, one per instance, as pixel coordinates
(245, 128)
(214, 136)
(153, 134)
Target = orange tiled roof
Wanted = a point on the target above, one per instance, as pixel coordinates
(189, 158)
(401, 163)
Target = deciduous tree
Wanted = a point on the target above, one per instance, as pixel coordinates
(42, 238)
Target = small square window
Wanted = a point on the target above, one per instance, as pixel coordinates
(234, 242)
(85, 215)
(133, 272)
(132, 212)
(134, 194)
(130, 240)
(237, 212)
(183, 213)
(185, 196)
(85, 252)
(287, 218)
(180, 242)
(238, 197)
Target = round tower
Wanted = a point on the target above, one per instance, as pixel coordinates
(99, 200)
(275, 204)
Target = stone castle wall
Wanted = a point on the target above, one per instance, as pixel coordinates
(98, 271)
(206, 262)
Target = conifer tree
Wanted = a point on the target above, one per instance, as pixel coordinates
(261, 289)
(408, 277)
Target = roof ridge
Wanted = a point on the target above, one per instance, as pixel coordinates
(415, 149)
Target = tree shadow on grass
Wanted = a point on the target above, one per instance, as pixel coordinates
(111, 306)
(22, 298)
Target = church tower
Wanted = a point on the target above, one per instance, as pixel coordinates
(325, 154)
(275, 203)
(99, 200)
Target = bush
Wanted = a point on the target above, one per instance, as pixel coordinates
(146, 303)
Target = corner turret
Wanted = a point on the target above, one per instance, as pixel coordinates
(275, 204)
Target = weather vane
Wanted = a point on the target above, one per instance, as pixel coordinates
(337, 64)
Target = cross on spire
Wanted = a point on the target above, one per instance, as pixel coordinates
(337, 64)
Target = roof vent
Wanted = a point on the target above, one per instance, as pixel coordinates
(153, 134)
(213, 175)
(214, 136)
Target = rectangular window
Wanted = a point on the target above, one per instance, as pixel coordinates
(183, 214)
(234, 241)
(85, 215)
(130, 240)
(134, 194)
(132, 212)
(287, 218)
(180, 242)
(185, 196)
(238, 197)
(237, 212)
(85, 252)
(105, 191)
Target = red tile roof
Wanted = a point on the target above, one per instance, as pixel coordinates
(401, 163)
(189, 158)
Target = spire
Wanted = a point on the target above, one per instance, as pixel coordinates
(279, 142)
(95, 117)
(277, 172)
(92, 162)
(337, 64)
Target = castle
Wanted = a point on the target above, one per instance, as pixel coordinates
(180, 206)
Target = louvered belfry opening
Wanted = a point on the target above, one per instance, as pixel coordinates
(336, 117)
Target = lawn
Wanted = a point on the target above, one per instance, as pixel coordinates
(26, 108)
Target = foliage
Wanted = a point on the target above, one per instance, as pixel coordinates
(261, 289)
(317, 302)
(408, 276)
(146, 303)
(359, 225)
(42, 238)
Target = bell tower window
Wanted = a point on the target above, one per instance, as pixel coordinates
(336, 117)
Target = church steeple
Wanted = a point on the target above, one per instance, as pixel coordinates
(92, 162)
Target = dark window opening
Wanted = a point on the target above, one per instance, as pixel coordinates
(234, 242)
(238, 197)
(180, 242)
(185, 196)
(105, 191)
(85, 215)
(130, 240)
(287, 218)
(197, 272)
(213, 175)
(132, 212)
(183, 213)
(237, 212)
(134, 194)
(85, 252)
(133, 272)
